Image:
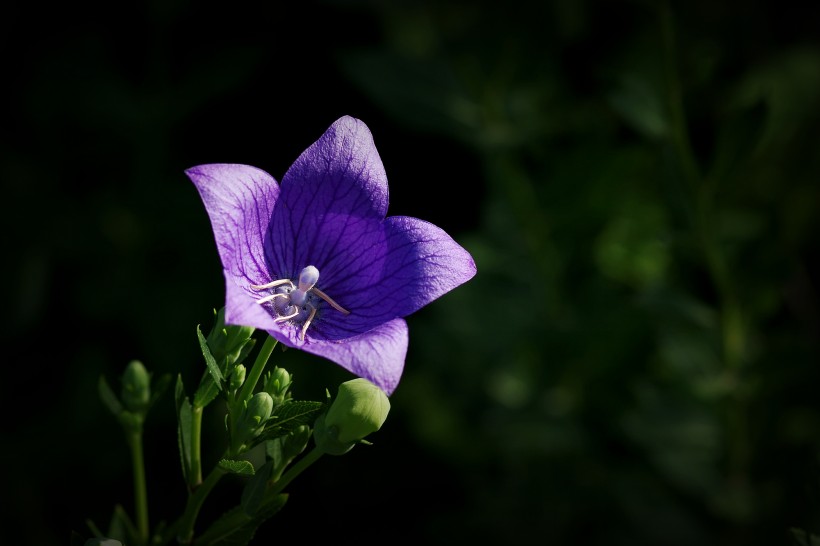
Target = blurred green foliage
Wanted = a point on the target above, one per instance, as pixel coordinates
(636, 361)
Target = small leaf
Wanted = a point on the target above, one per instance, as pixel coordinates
(254, 492)
(245, 350)
(108, 397)
(206, 392)
(121, 527)
(226, 532)
(243, 468)
(93, 528)
(290, 416)
(213, 368)
(294, 413)
(184, 419)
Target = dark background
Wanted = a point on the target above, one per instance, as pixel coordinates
(636, 361)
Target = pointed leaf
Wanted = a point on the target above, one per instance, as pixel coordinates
(244, 468)
(206, 392)
(235, 528)
(254, 492)
(294, 413)
(121, 527)
(213, 368)
(108, 397)
(184, 419)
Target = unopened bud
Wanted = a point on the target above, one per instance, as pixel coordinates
(277, 384)
(359, 409)
(237, 377)
(229, 342)
(136, 387)
(256, 412)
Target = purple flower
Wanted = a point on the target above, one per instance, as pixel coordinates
(316, 263)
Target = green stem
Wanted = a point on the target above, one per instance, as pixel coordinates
(294, 471)
(195, 501)
(140, 489)
(256, 370)
(195, 476)
(235, 519)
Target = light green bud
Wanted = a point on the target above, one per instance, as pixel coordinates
(359, 409)
(257, 411)
(237, 377)
(277, 384)
(229, 341)
(136, 387)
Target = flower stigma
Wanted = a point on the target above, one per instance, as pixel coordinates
(296, 302)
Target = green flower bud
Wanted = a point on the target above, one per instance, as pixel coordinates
(277, 384)
(136, 387)
(294, 443)
(359, 409)
(229, 342)
(237, 377)
(257, 411)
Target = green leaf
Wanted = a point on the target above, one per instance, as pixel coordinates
(206, 392)
(294, 413)
(121, 527)
(93, 528)
(244, 468)
(245, 351)
(289, 416)
(108, 397)
(235, 528)
(254, 492)
(184, 419)
(213, 368)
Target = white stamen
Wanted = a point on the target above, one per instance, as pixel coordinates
(307, 322)
(266, 299)
(288, 317)
(272, 284)
(296, 298)
(330, 301)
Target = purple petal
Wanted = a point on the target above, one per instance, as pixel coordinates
(334, 195)
(408, 264)
(239, 200)
(377, 355)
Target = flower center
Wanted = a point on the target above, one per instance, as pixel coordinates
(296, 302)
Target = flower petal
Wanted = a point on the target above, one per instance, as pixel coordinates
(377, 355)
(406, 266)
(333, 195)
(239, 200)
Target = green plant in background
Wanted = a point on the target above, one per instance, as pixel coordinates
(646, 238)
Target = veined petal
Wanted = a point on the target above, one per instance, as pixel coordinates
(333, 195)
(423, 264)
(377, 355)
(239, 200)
(400, 269)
